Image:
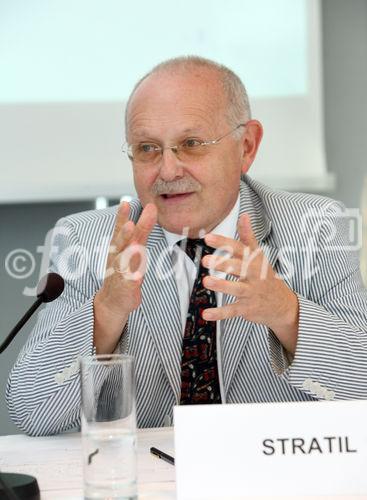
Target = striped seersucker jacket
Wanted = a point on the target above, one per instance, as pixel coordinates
(305, 239)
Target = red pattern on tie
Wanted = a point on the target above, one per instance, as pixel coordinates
(199, 368)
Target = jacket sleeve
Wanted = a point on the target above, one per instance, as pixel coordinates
(43, 393)
(330, 361)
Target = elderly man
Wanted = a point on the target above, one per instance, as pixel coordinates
(243, 294)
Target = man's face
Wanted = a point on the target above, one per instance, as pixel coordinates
(166, 109)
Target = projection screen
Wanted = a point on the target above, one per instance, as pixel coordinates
(68, 66)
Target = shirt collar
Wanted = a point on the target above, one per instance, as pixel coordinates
(227, 227)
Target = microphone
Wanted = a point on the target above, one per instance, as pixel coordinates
(49, 288)
(22, 486)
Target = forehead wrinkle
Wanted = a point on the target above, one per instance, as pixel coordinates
(143, 133)
(141, 124)
(195, 113)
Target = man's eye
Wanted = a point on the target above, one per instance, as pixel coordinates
(147, 148)
(191, 143)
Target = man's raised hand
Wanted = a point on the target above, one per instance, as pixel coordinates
(120, 293)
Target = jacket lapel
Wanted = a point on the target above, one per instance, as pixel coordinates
(235, 331)
(162, 310)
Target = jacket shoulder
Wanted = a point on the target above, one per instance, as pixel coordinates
(98, 221)
(275, 200)
(297, 218)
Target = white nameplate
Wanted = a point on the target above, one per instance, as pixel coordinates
(271, 449)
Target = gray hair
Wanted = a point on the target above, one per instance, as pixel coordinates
(238, 110)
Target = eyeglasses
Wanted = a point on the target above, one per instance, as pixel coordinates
(188, 149)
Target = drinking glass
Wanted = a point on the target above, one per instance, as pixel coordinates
(108, 427)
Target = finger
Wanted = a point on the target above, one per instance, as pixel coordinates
(138, 260)
(246, 233)
(145, 223)
(139, 232)
(218, 313)
(122, 217)
(225, 265)
(123, 238)
(132, 261)
(120, 241)
(235, 288)
(227, 245)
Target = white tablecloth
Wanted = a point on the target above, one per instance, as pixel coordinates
(56, 462)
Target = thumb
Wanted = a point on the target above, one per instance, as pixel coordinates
(246, 233)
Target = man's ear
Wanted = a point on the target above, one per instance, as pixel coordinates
(251, 141)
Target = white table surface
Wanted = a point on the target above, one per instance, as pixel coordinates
(57, 463)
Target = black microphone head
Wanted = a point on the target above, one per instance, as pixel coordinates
(50, 287)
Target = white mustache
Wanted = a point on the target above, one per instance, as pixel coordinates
(185, 185)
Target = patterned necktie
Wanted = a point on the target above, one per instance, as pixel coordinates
(199, 369)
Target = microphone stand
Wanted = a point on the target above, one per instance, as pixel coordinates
(20, 324)
(22, 486)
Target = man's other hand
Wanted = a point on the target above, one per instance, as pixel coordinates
(261, 296)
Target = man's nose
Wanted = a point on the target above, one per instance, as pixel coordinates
(171, 166)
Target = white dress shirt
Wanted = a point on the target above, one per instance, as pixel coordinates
(185, 272)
